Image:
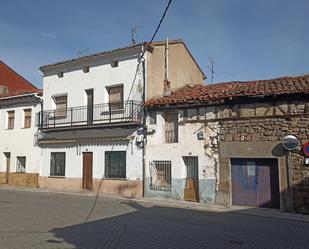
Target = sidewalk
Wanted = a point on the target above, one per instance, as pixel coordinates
(262, 212)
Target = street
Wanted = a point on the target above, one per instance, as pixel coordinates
(32, 220)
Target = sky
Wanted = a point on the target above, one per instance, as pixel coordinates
(246, 39)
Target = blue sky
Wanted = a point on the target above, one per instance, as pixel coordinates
(248, 39)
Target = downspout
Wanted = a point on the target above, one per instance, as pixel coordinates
(144, 125)
(41, 113)
(39, 126)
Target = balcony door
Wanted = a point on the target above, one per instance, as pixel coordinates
(89, 93)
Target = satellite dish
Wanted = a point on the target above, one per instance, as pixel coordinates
(290, 142)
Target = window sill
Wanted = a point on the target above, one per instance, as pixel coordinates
(60, 177)
(115, 179)
(26, 127)
(8, 129)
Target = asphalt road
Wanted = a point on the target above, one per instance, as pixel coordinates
(31, 220)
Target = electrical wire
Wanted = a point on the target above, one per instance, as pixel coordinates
(148, 45)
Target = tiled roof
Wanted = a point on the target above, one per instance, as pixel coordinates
(221, 91)
(15, 83)
(49, 66)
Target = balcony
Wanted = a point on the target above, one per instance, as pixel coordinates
(108, 114)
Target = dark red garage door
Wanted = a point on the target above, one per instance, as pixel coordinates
(255, 182)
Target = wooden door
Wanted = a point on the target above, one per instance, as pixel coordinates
(8, 165)
(191, 191)
(87, 170)
(89, 93)
(255, 182)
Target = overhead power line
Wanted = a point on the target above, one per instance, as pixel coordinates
(148, 44)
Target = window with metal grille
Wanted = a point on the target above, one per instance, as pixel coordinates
(115, 94)
(171, 127)
(115, 164)
(61, 105)
(11, 118)
(57, 164)
(27, 118)
(21, 164)
(161, 176)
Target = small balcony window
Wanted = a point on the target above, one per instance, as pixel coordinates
(115, 94)
(61, 105)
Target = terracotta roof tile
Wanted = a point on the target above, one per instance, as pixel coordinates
(227, 90)
(14, 83)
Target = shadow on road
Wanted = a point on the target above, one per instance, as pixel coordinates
(163, 227)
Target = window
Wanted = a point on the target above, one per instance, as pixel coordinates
(21, 164)
(86, 69)
(115, 164)
(171, 127)
(61, 105)
(114, 64)
(152, 117)
(161, 176)
(57, 164)
(27, 118)
(11, 117)
(115, 94)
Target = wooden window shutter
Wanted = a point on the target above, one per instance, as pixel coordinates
(116, 94)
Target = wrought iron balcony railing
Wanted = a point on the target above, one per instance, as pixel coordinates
(100, 114)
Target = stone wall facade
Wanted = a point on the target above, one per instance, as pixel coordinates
(273, 130)
(256, 130)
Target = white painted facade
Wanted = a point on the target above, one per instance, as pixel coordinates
(101, 75)
(188, 145)
(74, 159)
(74, 82)
(19, 141)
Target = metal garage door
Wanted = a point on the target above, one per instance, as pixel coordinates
(255, 182)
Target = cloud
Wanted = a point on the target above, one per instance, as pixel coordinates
(49, 35)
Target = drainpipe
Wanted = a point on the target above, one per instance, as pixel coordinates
(144, 124)
(40, 126)
(41, 104)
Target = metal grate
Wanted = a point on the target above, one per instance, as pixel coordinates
(161, 176)
(124, 112)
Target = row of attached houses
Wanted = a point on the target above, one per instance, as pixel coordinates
(139, 121)
(222, 144)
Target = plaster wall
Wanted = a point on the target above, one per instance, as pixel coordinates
(19, 141)
(182, 69)
(188, 145)
(101, 75)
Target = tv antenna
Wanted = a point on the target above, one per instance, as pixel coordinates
(134, 33)
(211, 68)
